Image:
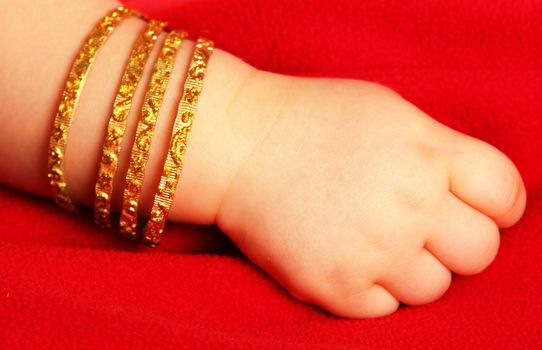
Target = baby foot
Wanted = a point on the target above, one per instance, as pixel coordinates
(355, 200)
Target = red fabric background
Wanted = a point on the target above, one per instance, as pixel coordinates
(474, 65)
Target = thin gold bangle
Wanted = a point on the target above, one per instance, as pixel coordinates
(74, 85)
(181, 130)
(144, 133)
(118, 120)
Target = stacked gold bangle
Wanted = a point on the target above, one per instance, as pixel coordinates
(181, 130)
(144, 133)
(70, 96)
(118, 120)
(117, 123)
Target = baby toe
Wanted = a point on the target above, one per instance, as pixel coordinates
(462, 238)
(487, 180)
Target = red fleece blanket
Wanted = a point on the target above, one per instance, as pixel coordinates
(473, 65)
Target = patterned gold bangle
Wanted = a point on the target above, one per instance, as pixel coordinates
(74, 85)
(181, 130)
(118, 120)
(144, 133)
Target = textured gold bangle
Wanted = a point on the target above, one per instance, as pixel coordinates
(118, 120)
(70, 96)
(181, 130)
(144, 133)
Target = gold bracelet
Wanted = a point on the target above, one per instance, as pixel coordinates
(118, 120)
(144, 133)
(181, 130)
(74, 85)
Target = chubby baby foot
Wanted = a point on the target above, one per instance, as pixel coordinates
(356, 201)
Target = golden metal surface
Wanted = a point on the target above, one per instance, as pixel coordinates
(118, 120)
(144, 133)
(74, 85)
(181, 130)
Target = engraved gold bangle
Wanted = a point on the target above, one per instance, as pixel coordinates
(181, 130)
(145, 129)
(64, 115)
(118, 120)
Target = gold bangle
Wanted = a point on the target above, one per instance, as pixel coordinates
(144, 133)
(181, 130)
(74, 85)
(118, 120)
